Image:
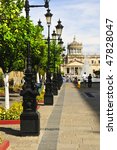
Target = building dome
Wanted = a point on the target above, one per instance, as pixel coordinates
(74, 47)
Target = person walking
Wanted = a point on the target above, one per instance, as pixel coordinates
(79, 83)
(89, 81)
(84, 78)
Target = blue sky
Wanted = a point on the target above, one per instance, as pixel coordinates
(80, 18)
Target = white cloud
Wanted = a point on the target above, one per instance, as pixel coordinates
(79, 17)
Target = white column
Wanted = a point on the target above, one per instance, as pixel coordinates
(78, 71)
(6, 83)
(38, 80)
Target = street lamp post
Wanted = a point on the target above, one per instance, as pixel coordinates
(48, 97)
(55, 81)
(39, 24)
(59, 76)
(30, 118)
(59, 28)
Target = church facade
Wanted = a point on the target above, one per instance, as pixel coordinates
(75, 63)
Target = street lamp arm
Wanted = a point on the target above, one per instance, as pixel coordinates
(33, 6)
(27, 6)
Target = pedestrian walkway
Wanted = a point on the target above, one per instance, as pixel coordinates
(72, 123)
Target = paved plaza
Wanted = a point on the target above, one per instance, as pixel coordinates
(72, 123)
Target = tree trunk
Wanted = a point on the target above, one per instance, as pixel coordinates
(38, 80)
(6, 83)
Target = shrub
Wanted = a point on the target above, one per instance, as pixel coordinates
(1, 90)
(1, 80)
(16, 88)
(2, 113)
(40, 97)
(13, 113)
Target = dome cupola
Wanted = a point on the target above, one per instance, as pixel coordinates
(74, 47)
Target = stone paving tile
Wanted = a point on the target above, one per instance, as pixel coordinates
(68, 147)
(88, 147)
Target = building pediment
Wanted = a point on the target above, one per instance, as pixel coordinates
(75, 63)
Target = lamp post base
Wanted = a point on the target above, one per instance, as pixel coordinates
(55, 91)
(48, 99)
(30, 123)
(54, 85)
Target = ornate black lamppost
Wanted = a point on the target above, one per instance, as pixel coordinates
(39, 24)
(48, 97)
(30, 119)
(59, 76)
(55, 79)
(59, 28)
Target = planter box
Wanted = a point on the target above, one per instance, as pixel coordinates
(2, 95)
(3, 122)
(40, 102)
(4, 145)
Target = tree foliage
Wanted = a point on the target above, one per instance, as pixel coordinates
(10, 21)
(15, 33)
(56, 54)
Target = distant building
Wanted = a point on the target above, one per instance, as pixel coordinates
(75, 63)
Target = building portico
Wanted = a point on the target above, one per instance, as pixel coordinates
(73, 69)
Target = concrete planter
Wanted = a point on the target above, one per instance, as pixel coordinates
(40, 102)
(3, 122)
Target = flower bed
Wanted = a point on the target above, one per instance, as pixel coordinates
(13, 113)
(40, 102)
(4, 144)
(40, 98)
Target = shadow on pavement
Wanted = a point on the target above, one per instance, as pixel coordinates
(10, 131)
(91, 96)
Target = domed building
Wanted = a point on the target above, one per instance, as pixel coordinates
(75, 63)
(75, 48)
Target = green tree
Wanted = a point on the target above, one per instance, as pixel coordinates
(9, 24)
(14, 38)
(14, 35)
(39, 50)
(56, 53)
(9, 54)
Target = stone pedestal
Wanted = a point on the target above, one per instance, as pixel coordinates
(30, 123)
